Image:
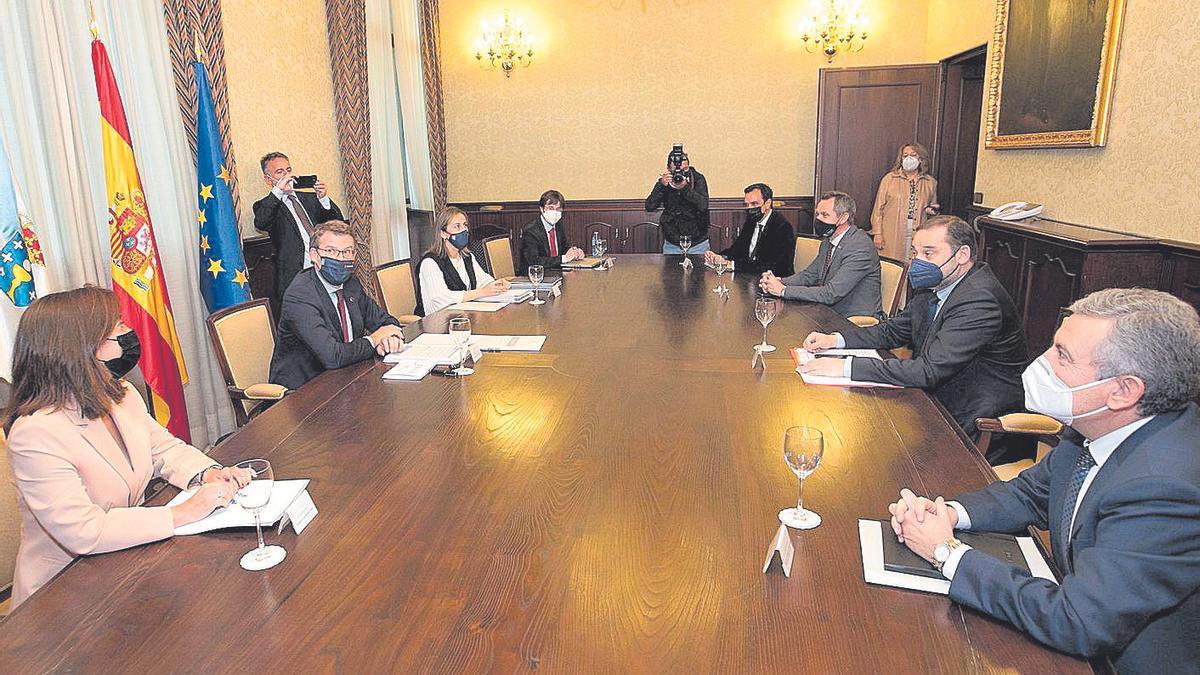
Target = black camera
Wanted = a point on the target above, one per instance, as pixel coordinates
(674, 160)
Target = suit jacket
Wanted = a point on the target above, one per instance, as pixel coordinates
(1132, 566)
(775, 249)
(310, 333)
(684, 211)
(970, 358)
(77, 493)
(852, 285)
(535, 246)
(274, 218)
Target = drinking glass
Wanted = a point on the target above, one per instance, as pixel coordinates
(802, 450)
(685, 243)
(536, 274)
(254, 497)
(601, 247)
(765, 309)
(460, 332)
(721, 265)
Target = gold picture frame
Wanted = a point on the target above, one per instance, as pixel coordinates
(1058, 70)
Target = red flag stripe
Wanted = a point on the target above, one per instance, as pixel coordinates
(111, 107)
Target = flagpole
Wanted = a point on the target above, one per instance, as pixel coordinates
(92, 25)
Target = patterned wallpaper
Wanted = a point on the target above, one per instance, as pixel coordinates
(280, 93)
(617, 81)
(1145, 180)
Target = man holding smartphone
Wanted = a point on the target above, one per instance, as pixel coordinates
(288, 214)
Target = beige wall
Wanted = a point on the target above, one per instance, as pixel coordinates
(1153, 138)
(611, 90)
(280, 92)
(958, 25)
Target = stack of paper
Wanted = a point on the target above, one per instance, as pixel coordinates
(410, 369)
(510, 297)
(487, 343)
(584, 264)
(283, 493)
(524, 284)
(478, 306)
(445, 354)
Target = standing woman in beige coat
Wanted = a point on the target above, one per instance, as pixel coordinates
(907, 195)
(82, 446)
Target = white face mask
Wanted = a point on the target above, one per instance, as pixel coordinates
(910, 163)
(552, 217)
(1045, 393)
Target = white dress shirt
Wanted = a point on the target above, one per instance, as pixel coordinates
(434, 293)
(283, 197)
(1102, 448)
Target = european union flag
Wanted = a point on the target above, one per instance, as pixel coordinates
(16, 271)
(223, 279)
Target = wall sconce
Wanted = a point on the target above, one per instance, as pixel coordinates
(842, 27)
(504, 45)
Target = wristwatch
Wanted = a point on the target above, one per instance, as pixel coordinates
(941, 552)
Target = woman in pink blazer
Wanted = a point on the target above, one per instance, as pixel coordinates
(82, 446)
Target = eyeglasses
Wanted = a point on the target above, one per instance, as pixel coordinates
(340, 253)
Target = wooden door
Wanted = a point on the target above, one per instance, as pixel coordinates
(958, 141)
(864, 116)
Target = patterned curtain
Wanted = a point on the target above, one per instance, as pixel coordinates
(431, 51)
(346, 21)
(185, 20)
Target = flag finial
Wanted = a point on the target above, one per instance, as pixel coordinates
(199, 49)
(92, 25)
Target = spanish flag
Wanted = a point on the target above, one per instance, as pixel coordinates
(136, 266)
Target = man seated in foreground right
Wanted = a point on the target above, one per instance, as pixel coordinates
(1122, 508)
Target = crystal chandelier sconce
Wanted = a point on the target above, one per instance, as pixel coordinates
(841, 28)
(504, 45)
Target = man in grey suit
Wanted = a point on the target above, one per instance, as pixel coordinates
(845, 273)
(1122, 507)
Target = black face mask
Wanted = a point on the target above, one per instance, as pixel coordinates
(823, 229)
(131, 351)
(754, 212)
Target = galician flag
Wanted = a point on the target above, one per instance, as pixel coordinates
(223, 280)
(19, 252)
(136, 267)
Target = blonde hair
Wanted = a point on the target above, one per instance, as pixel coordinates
(438, 248)
(922, 154)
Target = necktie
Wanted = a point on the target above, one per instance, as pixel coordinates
(301, 214)
(930, 314)
(825, 265)
(1083, 464)
(343, 317)
(757, 241)
(553, 236)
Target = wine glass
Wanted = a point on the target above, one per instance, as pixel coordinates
(765, 309)
(536, 274)
(685, 243)
(254, 497)
(802, 450)
(721, 265)
(460, 332)
(601, 247)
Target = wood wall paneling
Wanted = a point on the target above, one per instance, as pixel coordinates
(625, 223)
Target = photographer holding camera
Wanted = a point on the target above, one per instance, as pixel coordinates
(682, 193)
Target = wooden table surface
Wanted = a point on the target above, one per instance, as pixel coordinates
(604, 505)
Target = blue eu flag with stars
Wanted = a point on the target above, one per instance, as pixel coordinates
(223, 278)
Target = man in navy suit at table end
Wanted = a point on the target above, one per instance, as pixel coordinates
(1122, 506)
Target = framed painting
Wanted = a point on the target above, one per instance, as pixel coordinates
(1053, 66)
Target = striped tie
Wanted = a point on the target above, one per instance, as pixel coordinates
(1083, 464)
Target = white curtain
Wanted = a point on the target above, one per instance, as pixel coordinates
(399, 128)
(49, 97)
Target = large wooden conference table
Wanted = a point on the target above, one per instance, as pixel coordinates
(603, 505)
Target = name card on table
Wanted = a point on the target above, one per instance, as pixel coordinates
(781, 550)
(299, 513)
(556, 290)
(476, 351)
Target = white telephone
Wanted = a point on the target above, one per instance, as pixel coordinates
(1016, 211)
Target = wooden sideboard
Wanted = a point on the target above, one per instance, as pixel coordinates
(624, 223)
(1046, 265)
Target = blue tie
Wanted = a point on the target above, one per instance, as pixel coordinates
(1083, 464)
(930, 313)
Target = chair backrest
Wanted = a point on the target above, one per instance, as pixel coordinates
(10, 517)
(396, 284)
(499, 255)
(243, 337)
(806, 251)
(893, 276)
